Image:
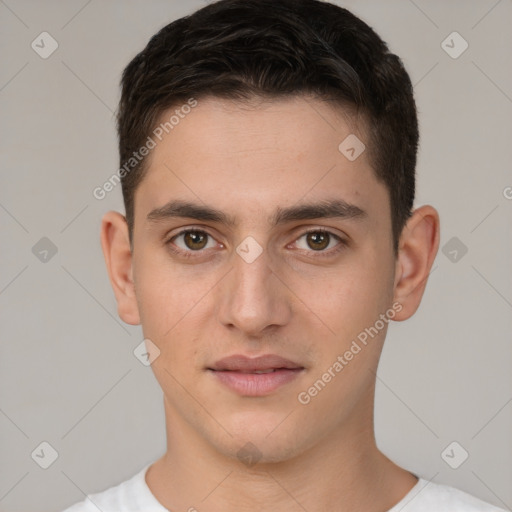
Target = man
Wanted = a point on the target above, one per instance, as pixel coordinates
(268, 155)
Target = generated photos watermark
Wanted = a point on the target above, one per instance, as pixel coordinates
(151, 142)
(305, 397)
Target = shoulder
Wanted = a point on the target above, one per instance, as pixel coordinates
(132, 495)
(428, 496)
(108, 500)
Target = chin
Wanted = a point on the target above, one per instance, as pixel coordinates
(263, 443)
(257, 453)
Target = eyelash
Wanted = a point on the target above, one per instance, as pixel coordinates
(319, 254)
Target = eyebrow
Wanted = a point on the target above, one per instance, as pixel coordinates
(329, 208)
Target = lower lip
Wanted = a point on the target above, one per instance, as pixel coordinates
(256, 384)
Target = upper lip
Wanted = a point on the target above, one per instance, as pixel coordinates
(246, 364)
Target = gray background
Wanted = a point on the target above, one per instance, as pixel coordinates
(68, 373)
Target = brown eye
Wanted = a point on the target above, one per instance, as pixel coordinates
(191, 240)
(318, 240)
(195, 240)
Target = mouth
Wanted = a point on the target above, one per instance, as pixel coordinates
(255, 376)
(257, 372)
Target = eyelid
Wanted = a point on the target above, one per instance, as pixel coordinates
(168, 239)
(342, 242)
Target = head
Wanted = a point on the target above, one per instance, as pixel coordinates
(251, 113)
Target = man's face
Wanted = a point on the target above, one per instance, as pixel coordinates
(256, 286)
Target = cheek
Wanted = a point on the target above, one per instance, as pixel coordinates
(170, 303)
(350, 297)
(161, 302)
(161, 293)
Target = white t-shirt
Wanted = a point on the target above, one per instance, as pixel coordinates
(134, 495)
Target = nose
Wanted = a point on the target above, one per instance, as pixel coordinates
(252, 298)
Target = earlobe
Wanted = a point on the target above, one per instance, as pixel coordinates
(118, 258)
(418, 247)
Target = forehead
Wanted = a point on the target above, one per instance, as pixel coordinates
(254, 158)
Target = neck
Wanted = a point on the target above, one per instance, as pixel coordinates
(344, 471)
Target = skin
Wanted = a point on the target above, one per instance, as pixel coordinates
(247, 161)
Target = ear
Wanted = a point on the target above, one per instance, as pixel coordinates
(115, 243)
(418, 247)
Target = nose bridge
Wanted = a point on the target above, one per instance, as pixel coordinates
(252, 296)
